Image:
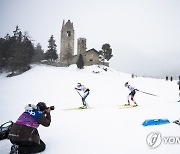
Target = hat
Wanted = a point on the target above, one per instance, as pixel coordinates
(126, 84)
(78, 84)
(41, 106)
(30, 107)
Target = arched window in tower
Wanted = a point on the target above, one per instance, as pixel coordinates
(69, 33)
(91, 59)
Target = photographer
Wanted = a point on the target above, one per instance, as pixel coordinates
(24, 134)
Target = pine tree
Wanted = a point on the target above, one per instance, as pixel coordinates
(80, 62)
(51, 53)
(106, 52)
(16, 51)
(2, 53)
(20, 52)
(38, 54)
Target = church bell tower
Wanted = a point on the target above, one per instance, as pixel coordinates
(67, 41)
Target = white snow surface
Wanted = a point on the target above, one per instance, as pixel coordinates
(103, 129)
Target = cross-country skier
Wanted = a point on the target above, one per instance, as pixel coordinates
(131, 94)
(81, 87)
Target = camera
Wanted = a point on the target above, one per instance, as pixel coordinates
(52, 107)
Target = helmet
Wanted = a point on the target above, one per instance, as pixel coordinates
(41, 106)
(126, 84)
(78, 84)
(30, 107)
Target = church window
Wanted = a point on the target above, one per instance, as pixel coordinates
(68, 33)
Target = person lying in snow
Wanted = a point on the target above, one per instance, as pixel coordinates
(24, 134)
(131, 94)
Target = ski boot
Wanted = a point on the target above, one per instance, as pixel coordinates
(135, 104)
(14, 149)
(84, 107)
(128, 104)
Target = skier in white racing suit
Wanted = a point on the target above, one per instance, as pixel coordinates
(131, 94)
(86, 90)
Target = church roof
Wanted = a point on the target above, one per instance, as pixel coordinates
(94, 50)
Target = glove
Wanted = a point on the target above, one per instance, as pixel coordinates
(136, 89)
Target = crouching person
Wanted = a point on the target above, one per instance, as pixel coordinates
(24, 134)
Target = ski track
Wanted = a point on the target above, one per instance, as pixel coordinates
(103, 129)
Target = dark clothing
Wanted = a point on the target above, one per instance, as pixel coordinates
(21, 132)
(24, 132)
(132, 93)
(178, 84)
(87, 90)
(27, 147)
(179, 87)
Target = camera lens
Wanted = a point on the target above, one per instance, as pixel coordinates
(52, 107)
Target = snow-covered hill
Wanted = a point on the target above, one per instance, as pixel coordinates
(104, 129)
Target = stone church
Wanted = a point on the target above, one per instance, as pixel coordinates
(67, 53)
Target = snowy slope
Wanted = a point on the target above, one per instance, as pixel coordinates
(104, 129)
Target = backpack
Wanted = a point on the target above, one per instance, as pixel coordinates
(4, 129)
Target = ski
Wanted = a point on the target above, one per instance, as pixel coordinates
(127, 106)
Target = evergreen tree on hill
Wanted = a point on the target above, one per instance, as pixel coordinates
(20, 52)
(51, 53)
(80, 62)
(2, 53)
(106, 52)
(38, 54)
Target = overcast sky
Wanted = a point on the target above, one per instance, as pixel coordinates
(144, 34)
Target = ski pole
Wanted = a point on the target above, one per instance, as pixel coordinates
(82, 97)
(148, 93)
